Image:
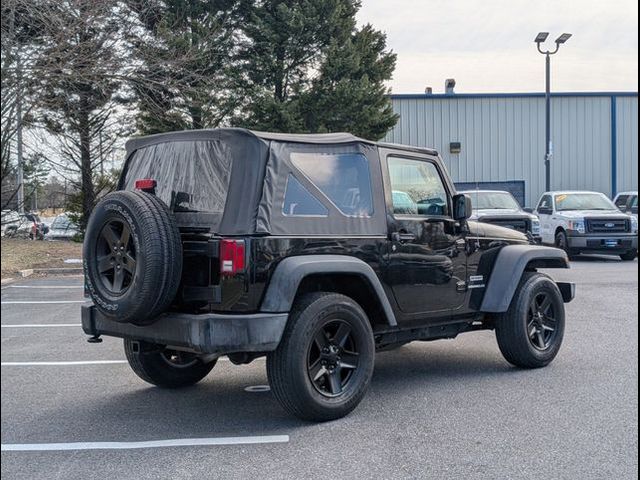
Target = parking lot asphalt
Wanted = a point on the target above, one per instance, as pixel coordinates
(444, 409)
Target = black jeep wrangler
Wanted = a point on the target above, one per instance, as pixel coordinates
(314, 250)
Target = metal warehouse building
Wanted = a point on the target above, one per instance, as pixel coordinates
(497, 140)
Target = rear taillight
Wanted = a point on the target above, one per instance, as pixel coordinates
(231, 257)
(146, 185)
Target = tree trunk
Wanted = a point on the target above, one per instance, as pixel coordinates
(86, 170)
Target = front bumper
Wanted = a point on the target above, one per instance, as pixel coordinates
(608, 243)
(202, 333)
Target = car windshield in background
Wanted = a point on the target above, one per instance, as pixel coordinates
(493, 200)
(62, 223)
(583, 201)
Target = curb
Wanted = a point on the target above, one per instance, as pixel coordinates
(59, 271)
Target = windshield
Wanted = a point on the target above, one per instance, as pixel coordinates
(493, 200)
(583, 201)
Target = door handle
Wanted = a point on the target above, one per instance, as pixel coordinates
(402, 237)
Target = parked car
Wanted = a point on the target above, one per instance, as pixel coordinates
(627, 202)
(27, 225)
(246, 244)
(501, 208)
(62, 228)
(9, 220)
(587, 222)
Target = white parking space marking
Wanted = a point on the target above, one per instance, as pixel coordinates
(44, 302)
(257, 388)
(61, 364)
(177, 442)
(42, 325)
(47, 286)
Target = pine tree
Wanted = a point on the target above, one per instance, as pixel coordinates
(287, 41)
(349, 94)
(187, 76)
(309, 69)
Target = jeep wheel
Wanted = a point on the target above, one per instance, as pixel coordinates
(166, 368)
(324, 363)
(562, 242)
(530, 333)
(629, 256)
(133, 257)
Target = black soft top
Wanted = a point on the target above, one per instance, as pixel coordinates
(233, 180)
(219, 133)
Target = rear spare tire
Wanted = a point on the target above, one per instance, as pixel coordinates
(132, 257)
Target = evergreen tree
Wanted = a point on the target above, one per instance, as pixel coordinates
(309, 69)
(349, 94)
(286, 41)
(187, 78)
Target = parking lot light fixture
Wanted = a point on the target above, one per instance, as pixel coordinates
(539, 40)
(563, 38)
(541, 37)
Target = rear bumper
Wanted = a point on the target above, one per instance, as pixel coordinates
(203, 333)
(608, 243)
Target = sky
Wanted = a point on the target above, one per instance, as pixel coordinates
(487, 45)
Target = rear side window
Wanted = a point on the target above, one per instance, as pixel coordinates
(343, 178)
(621, 201)
(298, 201)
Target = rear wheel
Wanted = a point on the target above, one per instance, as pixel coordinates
(629, 256)
(530, 333)
(324, 362)
(164, 367)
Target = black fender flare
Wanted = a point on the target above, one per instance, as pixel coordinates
(510, 264)
(291, 271)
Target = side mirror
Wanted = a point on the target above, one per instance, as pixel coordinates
(462, 209)
(528, 209)
(545, 211)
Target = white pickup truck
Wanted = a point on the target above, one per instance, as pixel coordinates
(586, 222)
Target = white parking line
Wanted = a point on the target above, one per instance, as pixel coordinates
(60, 364)
(82, 362)
(177, 442)
(44, 302)
(42, 325)
(46, 286)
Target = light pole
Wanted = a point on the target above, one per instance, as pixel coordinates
(540, 39)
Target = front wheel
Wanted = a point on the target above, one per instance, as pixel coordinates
(324, 362)
(164, 367)
(562, 242)
(629, 256)
(530, 333)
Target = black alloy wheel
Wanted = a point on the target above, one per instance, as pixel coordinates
(116, 256)
(530, 332)
(333, 358)
(324, 362)
(541, 324)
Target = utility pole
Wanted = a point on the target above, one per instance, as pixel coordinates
(20, 173)
(540, 38)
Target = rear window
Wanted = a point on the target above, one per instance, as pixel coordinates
(191, 176)
(343, 177)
